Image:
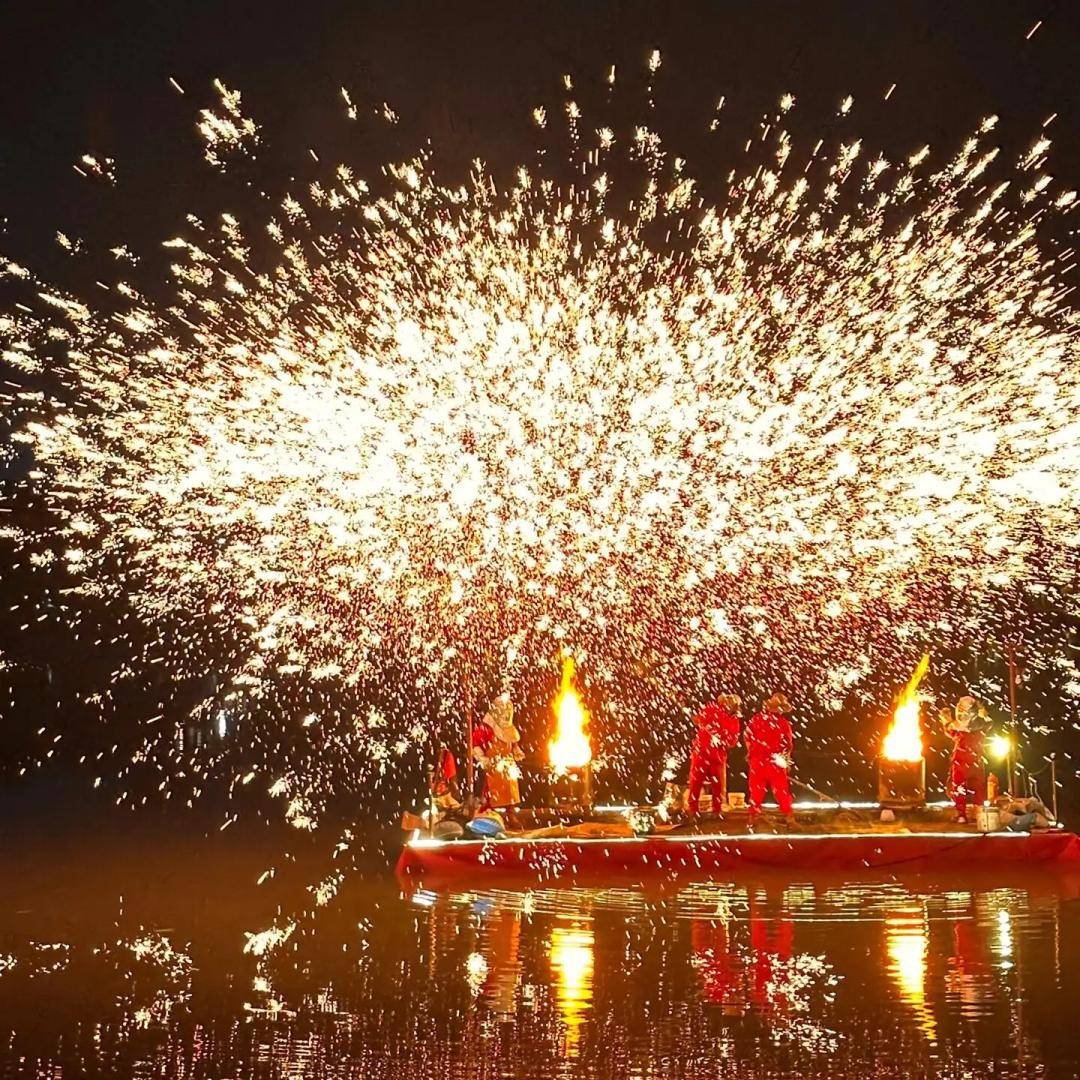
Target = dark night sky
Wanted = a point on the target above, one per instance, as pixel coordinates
(78, 77)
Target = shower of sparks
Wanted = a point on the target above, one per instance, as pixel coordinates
(797, 427)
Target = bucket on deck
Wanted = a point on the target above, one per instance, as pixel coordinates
(988, 819)
(901, 784)
(487, 823)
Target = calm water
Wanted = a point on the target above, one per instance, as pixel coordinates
(121, 956)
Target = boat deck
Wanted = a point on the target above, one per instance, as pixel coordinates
(809, 819)
(841, 836)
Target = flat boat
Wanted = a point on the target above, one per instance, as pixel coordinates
(846, 837)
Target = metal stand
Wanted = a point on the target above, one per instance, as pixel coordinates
(470, 765)
(1010, 775)
(431, 801)
(901, 784)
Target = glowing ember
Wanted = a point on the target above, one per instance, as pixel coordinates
(903, 742)
(570, 748)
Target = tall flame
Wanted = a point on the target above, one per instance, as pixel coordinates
(903, 742)
(570, 748)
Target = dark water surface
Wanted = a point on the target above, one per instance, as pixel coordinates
(121, 955)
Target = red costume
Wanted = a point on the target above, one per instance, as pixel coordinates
(444, 775)
(768, 734)
(483, 740)
(966, 769)
(717, 733)
(495, 749)
(483, 735)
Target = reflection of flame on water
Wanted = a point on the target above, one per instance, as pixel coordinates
(570, 748)
(1005, 938)
(903, 742)
(906, 942)
(572, 965)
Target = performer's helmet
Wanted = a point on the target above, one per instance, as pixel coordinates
(967, 705)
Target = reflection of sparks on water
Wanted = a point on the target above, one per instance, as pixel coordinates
(476, 970)
(906, 942)
(156, 974)
(572, 964)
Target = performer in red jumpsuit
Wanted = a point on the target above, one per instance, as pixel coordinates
(717, 732)
(769, 743)
(444, 776)
(966, 782)
(495, 749)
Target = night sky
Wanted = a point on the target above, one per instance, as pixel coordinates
(78, 77)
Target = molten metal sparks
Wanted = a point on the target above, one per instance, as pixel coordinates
(395, 434)
(903, 741)
(570, 748)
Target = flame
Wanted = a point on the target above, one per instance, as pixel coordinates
(903, 742)
(570, 748)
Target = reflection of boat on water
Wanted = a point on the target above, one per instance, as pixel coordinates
(862, 845)
(649, 889)
(814, 962)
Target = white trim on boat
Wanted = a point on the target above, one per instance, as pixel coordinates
(419, 841)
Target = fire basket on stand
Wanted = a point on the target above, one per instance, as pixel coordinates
(902, 766)
(570, 752)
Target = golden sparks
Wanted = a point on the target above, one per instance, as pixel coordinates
(438, 428)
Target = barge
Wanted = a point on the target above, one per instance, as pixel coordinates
(845, 837)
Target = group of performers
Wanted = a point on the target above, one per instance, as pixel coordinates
(769, 742)
(768, 738)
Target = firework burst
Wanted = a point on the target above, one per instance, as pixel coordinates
(440, 432)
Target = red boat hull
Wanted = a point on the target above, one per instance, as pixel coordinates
(549, 859)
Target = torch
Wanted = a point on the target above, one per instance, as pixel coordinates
(570, 752)
(901, 765)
